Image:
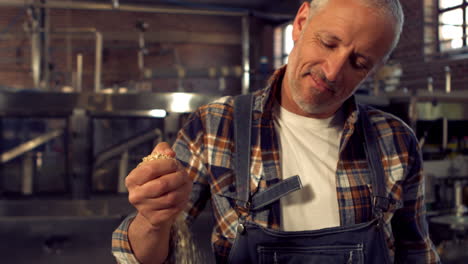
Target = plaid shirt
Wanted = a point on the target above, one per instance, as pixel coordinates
(205, 146)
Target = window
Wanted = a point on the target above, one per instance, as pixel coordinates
(452, 26)
(283, 44)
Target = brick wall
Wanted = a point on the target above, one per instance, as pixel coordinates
(192, 41)
(410, 52)
(14, 50)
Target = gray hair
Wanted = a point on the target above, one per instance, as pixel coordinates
(391, 8)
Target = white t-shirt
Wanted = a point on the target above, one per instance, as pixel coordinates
(309, 148)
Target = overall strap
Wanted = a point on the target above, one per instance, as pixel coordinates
(242, 135)
(242, 138)
(377, 174)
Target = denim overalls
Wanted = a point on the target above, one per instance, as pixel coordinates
(359, 243)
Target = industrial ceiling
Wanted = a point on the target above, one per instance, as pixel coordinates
(283, 6)
(279, 10)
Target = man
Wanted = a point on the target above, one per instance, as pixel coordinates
(304, 123)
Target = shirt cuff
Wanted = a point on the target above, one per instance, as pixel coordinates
(121, 248)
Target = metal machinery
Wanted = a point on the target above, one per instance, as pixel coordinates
(439, 119)
(62, 183)
(441, 123)
(64, 155)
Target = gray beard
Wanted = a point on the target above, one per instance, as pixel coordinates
(308, 108)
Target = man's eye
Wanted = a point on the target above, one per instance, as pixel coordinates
(359, 63)
(328, 45)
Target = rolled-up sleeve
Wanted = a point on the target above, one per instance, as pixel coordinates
(120, 244)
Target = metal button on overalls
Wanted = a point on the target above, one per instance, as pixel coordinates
(240, 229)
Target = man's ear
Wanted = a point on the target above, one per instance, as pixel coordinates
(300, 20)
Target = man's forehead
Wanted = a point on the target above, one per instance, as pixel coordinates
(372, 4)
(343, 21)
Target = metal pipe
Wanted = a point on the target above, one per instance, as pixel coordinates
(221, 84)
(430, 84)
(98, 51)
(39, 29)
(246, 54)
(87, 5)
(79, 72)
(115, 4)
(35, 47)
(30, 145)
(74, 30)
(123, 172)
(35, 59)
(121, 148)
(142, 26)
(448, 80)
(460, 208)
(141, 53)
(182, 72)
(45, 48)
(98, 62)
(27, 177)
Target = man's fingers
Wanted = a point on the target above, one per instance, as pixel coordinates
(150, 170)
(175, 199)
(164, 148)
(159, 187)
(155, 218)
(163, 184)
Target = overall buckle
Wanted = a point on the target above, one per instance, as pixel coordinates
(381, 202)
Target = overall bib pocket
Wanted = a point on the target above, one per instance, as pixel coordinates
(347, 254)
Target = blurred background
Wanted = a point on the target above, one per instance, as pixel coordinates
(87, 88)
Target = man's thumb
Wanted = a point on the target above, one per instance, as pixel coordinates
(164, 148)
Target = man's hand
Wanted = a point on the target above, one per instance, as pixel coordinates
(159, 189)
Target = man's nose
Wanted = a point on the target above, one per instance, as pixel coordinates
(334, 66)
